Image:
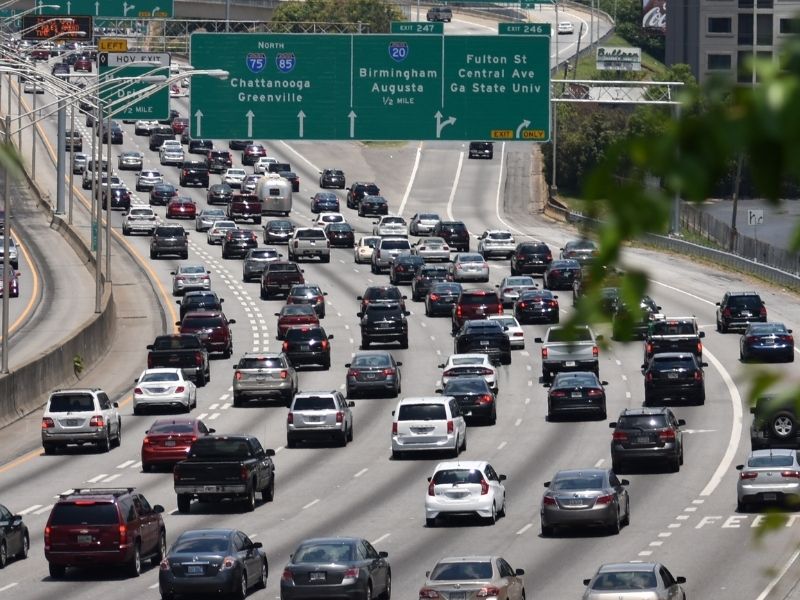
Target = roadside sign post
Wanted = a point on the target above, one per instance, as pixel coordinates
(135, 64)
(113, 9)
(372, 87)
(755, 217)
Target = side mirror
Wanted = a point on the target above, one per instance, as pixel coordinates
(359, 298)
(405, 297)
(178, 323)
(234, 367)
(538, 340)
(587, 581)
(212, 431)
(399, 364)
(324, 293)
(441, 365)
(277, 314)
(547, 384)
(116, 404)
(752, 410)
(739, 467)
(221, 300)
(717, 303)
(681, 422)
(172, 272)
(149, 346)
(547, 484)
(406, 312)
(625, 482)
(269, 452)
(178, 302)
(644, 366)
(555, 297)
(351, 404)
(702, 334)
(600, 337)
(158, 508)
(392, 413)
(502, 477)
(257, 545)
(429, 479)
(383, 554)
(497, 285)
(680, 580)
(231, 321)
(330, 337)
(613, 425)
(347, 365)
(519, 572)
(136, 380)
(788, 331)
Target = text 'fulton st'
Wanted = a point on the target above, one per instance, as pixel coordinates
(490, 74)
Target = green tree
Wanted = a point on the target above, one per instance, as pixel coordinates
(375, 15)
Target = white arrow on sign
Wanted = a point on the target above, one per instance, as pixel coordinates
(524, 125)
(301, 117)
(96, 9)
(126, 7)
(155, 10)
(69, 7)
(352, 116)
(198, 119)
(442, 124)
(250, 114)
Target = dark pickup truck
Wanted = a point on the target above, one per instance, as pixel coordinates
(279, 277)
(182, 351)
(243, 207)
(673, 334)
(220, 467)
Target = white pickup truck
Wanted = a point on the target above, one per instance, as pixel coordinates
(566, 349)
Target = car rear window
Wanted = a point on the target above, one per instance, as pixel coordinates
(263, 254)
(766, 328)
(311, 234)
(382, 309)
(395, 245)
(632, 580)
(480, 298)
(422, 412)
(453, 476)
(297, 309)
(749, 302)
(84, 512)
(373, 360)
(462, 570)
(286, 267)
(574, 380)
(670, 362)
(578, 482)
(303, 333)
(202, 322)
(314, 403)
(673, 328)
(260, 363)
(567, 335)
(170, 427)
(642, 422)
(770, 461)
(204, 545)
(72, 403)
(170, 231)
(391, 293)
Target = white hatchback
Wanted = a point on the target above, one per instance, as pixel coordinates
(431, 423)
(163, 388)
(465, 487)
(467, 365)
(329, 217)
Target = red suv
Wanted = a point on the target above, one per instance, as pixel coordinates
(475, 304)
(104, 526)
(180, 125)
(252, 153)
(213, 329)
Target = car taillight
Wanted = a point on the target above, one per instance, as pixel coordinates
(48, 423)
(47, 536)
(648, 376)
(787, 338)
(489, 591)
(748, 475)
(595, 351)
(762, 312)
(164, 565)
(146, 441)
(434, 297)
(388, 372)
(791, 474)
(290, 418)
(484, 487)
(549, 501)
(237, 376)
(544, 352)
(287, 576)
(593, 393)
(486, 399)
(320, 299)
(394, 428)
(726, 312)
(619, 436)
(228, 562)
(185, 172)
(649, 348)
(426, 593)
(555, 273)
(198, 358)
(339, 416)
(459, 312)
(351, 573)
(549, 257)
(96, 421)
(431, 489)
(558, 394)
(285, 346)
(123, 535)
(353, 372)
(449, 427)
(324, 344)
(605, 499)
(698, 375)
(284, 374)
(243, 473)
(180, 389)
(149, 362)
(666, 435)
(520, 257)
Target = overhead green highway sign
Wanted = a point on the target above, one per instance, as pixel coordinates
(371, 87)
(134, 64)
(136, 9)
(416, 27)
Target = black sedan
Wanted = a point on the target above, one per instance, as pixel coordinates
(340, 235)
(537, 306)
(766, 341)
(293, 178)
(162, 193)
(219, 193)
(373, 371)
(324, 202)
(441, 298)
(474, 396)
(278, 231)
(14, 538)
(404, 267)
(238, 144)
(332, 178)
(425, 277)
(373, 206)
(308, 293)
(576, 392)
(336, 567)
(561, 274)
(199, 300)
(214, 562)
(120, 198)
(628, 323)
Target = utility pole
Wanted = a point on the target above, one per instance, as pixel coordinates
(61, 155)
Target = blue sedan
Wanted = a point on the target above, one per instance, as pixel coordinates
(324, 202)
(766, 341)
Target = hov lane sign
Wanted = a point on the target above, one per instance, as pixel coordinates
(134, 64)
(145, 59)
(755, 217)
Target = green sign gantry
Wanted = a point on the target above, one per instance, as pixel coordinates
(371, 87)
(136, 9)
(134, 64)
(436, 27)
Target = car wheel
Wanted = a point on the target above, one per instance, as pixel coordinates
(783, 425)
(505, 359)
(3, 554)
(241, 590)
(262, 577)
(617, 466)
(548, 530)
(627, 520)
(237, 399)
(184, 503)
(57, 571)
(161, 552)
(492, 519)
(105, 444)
(126, 231)
(404, 343)
(201, 379)
(268, 493)
(341, 439)
(26, 545)
(387, 590)
(430, 522)
(350, 434)
(615, 526)
(49, 448)
(675, 464)
(152, 255)
(117, 441)
(135, 565)
(250, 500)
(742, 507)
(397, 455)
(492, 419)
(364, 343)
(368, 595)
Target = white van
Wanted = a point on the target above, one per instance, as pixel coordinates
(275, 194)
(429, 423)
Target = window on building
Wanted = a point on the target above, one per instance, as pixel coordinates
(744, 60)
(745, 29)
(720, 25)
(789, 26)
(719, 62)
(764, 33)
(761, 4)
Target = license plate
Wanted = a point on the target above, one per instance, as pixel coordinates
(576, 395)
(458, 595)
(72, 422)
(194, 570)
(87, 539)
(642, 439)
(170, 443)
(261, 377)
(316, 576)
(770, 497)
(569, 363)
(484, 342)
(672, 375)
(209, 488)
(305, 347)
(370, 376)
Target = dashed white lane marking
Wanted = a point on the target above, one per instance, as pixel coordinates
(698, 501)
(213, 406)
(310, 504)
(527, 400)
(682, 517)
(627, 394)
(518, 422)
(433, 338)
(361, 472)
(645, 553)
(410, 181)
(599, 463)
(278, 449)
(7, 587)
(126, 464)
(423, 324)
(673, 525)
(619, 362)
(214, 416)
(44, 509)
(111, 478)
(347, 326)
(97, 478)
(30, 509)
(502, 445)
(226, 406)
(529, 368)
(524, 353)
(690, 509)
(154, 586)
(524, 529)
(530, 382)
(378, 540)
(665, 534)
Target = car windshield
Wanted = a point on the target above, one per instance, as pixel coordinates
(83, 512)
(666, 327)
(631, 580)
(314, 403)
(520, 281)
(220, 449)
(422, 412)
(204, 545)
(766, 328)
(569, 335)
(462, 570)
(150, 377)
(72, 403)
(672, 363)
(454, 476)
(578, 482)
(325, 553)
(476, 258)
(170, 427)
(468, 360)
(261, 362)
(465, 385)
(642, 422)
(263, 254)
(780, 460)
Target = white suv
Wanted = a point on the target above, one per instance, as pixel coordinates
(80, 416)
(465, 487)
(315, 415)
(387, 250)
(424, 424)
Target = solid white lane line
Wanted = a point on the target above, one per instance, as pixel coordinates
(303, 158)
(645, 553)
(214, 416)
(455, 187)
(30, 509)
(518, 422)
(736, 426)
(361, 472)
(202, 415)
(213, 406)
(410, 181)
(380, 539)
(524, 529)
(155, 585)
(771, 585)
(9, 586)
(500, 180)
(310, 504)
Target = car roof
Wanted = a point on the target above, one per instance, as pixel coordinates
(261, 354)
(773, 452)
(461, 464)
(163, 370)
(204, 533)
(643, 411)
(673, 355)
(424, 400)
(322, 540)
(203, 313)
(628, 566)
(474, 558)
(574, 472)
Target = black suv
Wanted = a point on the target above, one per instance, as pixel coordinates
(483, 337)
(440, 13)
(162, 193)
(530, 257)
(332, 178)
(738, 309)
(481, 150)
(278, 231)
(237, 242)
(169, 239)
(158, 136)
(381, 294)
(194, 172)
(308, 345)
(674, 376)
(425, 277)
(455, 233)
(404, 267)
(383, 324)
(90, 527)
(198, 146)
(358, 190)
(648, 434)
(199, 300)
(219, 193)
(775, 423)
(218, 160)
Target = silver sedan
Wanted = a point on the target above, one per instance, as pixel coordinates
(468, 266)
(768, 476)
(633, 581)
(423, 223)
(163, 388)
(190, 278)
(464, 577)
(584, 498)
(219, 230)
(511, 288)
(432, 249)
(207, 217)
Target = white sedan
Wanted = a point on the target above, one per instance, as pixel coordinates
(362, 252)
(566, 27)
(431, 249)
(496, 242)
(329, 217)
(261, 167)
(511, 288)
(163, 388)
(234, 177)
(390, 225)
(467, 365)
(466, 487)
(516, 336)
(219, 230)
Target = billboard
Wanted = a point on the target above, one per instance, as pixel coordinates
(619, 59)
(654, 16)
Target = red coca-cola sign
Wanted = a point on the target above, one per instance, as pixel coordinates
(654, 15)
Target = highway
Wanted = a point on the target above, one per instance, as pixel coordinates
(686, 520)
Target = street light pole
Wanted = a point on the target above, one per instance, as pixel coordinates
(71, 161)
(33, 130)
(6, 251)
(108, 200)
(61, 156)
(97, 178)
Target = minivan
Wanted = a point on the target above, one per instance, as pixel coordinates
(428, 423)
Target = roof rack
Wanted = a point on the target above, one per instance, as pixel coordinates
(97, 491)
